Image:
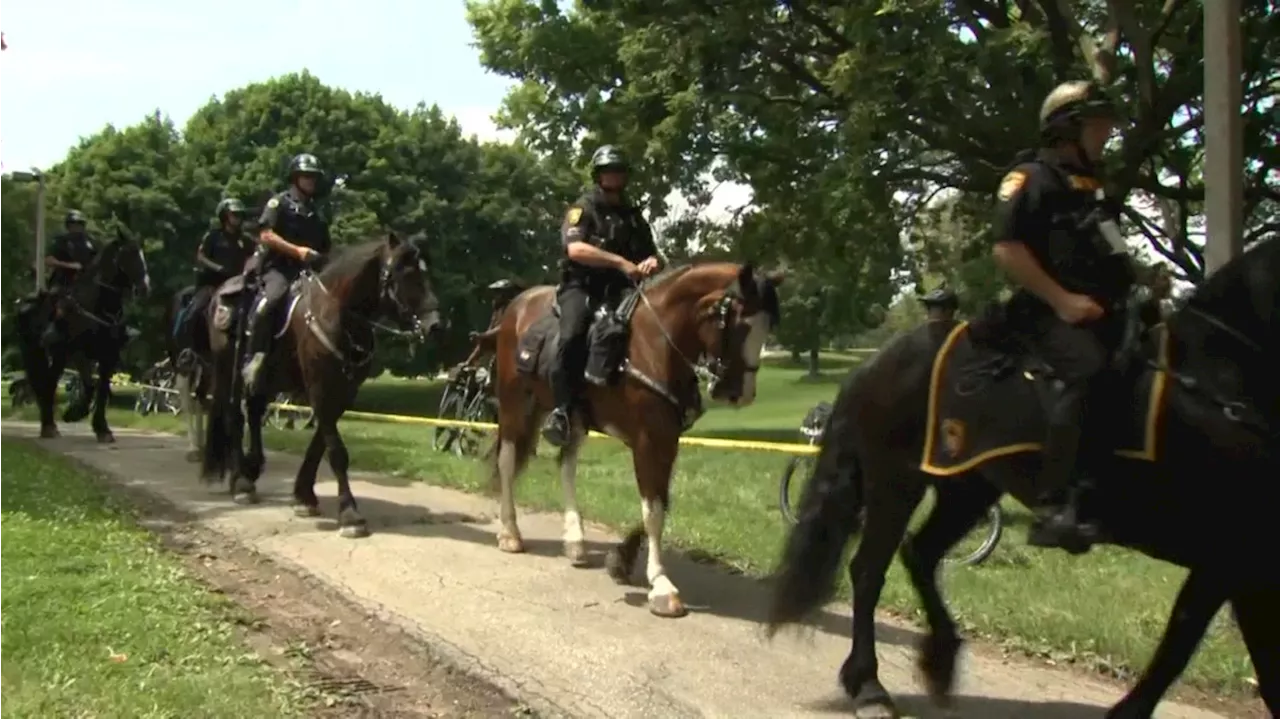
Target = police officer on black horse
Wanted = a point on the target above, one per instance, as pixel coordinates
(293, 235)
(70, 252)
(221, 255)
(609, 247)
(1056, 238)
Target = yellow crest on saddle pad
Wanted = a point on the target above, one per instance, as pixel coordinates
(575, 214)
(273, 203)
(1011, 183)
(953, 436)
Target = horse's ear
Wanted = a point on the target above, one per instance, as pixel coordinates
(746, 282)
(393, 240)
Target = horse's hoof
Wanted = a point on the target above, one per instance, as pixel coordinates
(876, 711)
(106, 438)
(667, 606)
(49, 432)
(245, 498)
(510, 544)
(618, 570)
(353, 531)
(306, 511)
(193, 455)
(577, 554)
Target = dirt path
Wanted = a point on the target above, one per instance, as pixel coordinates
(566, 642)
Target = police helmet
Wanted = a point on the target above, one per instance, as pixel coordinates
(305, 164)
(231, 205)
(1067, 106)
(942, 297)
(608, 158)
(75, 217)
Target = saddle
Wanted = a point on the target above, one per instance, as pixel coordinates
(230, 296)
(989, 397)
(606, 341)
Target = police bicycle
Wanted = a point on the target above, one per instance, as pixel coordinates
(468, 397)
(812, 429)
(159, 390)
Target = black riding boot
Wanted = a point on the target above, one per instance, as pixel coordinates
(1057, 519)
(259, 337)
(558, 426)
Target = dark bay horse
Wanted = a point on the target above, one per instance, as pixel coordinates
(191, 378)
(93, 311)
(322, 351)
(721, 312)
(1205, 405)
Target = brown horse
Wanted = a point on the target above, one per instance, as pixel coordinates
(323, 351)
(1192, 480)
(719, 312)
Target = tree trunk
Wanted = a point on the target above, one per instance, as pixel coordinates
(795, 356)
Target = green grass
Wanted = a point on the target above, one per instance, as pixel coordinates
(99, 621)
(1105, 610)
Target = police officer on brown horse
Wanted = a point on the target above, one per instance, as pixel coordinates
(293, 235)
(1056, 238)
(608, 247)
(221, 255)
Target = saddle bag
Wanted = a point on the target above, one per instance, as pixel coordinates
(608, 348)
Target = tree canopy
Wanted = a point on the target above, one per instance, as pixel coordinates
(850, 120)
(488, 210)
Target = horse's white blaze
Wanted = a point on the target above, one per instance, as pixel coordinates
(752, 348)
(422, 265)
(431, 320)
(569, 484)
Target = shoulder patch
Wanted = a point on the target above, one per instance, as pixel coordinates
(1010, 185)
(1082, 183)
(273, 203)
(575, 214)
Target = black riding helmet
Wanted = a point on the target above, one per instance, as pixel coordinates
(1066, 108)
(942, 297)
(608, 158)
(305, 164)
(75, 217)
(231, 205)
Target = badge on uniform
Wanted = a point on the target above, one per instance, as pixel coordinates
(273, 203)
(575, 214)
(1011, 183)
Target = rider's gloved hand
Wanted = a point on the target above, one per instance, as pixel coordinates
(311, 258)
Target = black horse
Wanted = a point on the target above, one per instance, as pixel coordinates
(1190, 484)
(93, 311)
(324, 346)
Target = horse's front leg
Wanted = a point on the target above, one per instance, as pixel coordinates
(350, 523)
(653, 463)
(252, 461)
(574, 541)
(306, 503)
(43, 372)
(79, 409)
(101, 397)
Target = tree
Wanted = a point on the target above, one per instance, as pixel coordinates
(487, 211)
(894, 100)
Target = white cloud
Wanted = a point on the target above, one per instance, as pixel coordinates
(478, 122)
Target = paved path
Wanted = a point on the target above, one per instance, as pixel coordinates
(569, 641)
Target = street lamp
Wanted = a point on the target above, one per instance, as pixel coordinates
(37, 177)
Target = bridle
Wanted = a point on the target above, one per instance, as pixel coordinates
(100, 269)
(711, 368)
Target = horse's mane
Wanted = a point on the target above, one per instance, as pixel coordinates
(348, 260)
(1264, 258)
(1246, 288)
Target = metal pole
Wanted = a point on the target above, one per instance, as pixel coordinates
(1224, 141)
(40, 188)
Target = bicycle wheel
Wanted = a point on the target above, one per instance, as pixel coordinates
(451, 407)
(469, 439)
(144, 403)
(982, 540)
(786, 504)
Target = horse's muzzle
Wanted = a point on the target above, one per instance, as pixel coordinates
(430, 324)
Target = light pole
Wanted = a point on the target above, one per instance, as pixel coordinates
(37, 177)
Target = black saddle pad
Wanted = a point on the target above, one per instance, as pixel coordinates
(606, 342)
(984, 404)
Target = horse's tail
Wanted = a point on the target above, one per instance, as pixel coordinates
(830, 514)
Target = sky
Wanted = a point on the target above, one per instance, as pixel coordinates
(72, 66)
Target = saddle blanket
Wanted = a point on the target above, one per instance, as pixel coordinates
(984, 405)
(606, 342)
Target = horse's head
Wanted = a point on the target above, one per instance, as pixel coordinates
(405, 284)
(122, 265)
(734, 321)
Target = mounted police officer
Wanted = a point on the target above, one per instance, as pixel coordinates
(221, 255)
(941, 304)
(608, 247)
(292, 235)
(70, 252)
(1056, 237)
